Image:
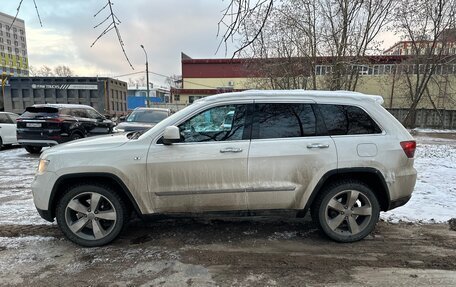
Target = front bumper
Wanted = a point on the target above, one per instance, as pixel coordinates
(46, 214)
(41, 190)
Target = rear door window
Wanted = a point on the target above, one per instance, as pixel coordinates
(347, 120)
(283, 120)
(80, 113)
(4, 119)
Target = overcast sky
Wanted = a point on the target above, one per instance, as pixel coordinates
(165, 27)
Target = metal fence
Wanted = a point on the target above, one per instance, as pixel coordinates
(429, 118)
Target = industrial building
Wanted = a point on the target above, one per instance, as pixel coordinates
(108, 96)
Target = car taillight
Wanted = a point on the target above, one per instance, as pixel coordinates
(409, 148)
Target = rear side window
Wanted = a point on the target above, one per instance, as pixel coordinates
(347, 120)
(283, 120)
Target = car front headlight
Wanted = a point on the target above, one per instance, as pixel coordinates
(42, 166)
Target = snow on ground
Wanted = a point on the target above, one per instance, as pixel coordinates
(434, 198)
(17, 169)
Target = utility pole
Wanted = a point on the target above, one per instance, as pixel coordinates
(147, 77)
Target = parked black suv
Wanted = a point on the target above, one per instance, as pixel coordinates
(51, 124)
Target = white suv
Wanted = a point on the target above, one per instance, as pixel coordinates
(340, 155)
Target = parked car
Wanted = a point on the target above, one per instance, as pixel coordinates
(51, 124)
(7, 129)
(142, 119)
(340, 155)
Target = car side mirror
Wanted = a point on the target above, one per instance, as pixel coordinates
(122, 118)
(171, 135)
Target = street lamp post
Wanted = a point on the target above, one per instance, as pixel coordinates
(147, 77)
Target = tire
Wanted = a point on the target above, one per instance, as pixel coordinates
(88, 225)
(75, 136)
(1, 143)
(33, 149)
(346, 211)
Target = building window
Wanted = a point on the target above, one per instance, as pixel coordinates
(15, 36)
(14, 29)
(177, 98)
(8, 34)
(8, 41)
(21, 31)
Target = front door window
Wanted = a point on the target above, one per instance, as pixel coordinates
(224, 123)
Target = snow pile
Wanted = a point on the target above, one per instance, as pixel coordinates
(434, 198)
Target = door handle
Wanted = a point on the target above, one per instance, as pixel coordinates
(317, 145)
(230, 149)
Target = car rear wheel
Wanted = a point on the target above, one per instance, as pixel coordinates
(91, 215)
(75, 136)
(33, 149)
(347, 211)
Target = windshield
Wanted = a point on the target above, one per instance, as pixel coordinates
(147, 116)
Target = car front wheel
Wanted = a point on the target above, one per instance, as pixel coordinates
(91, 215)
(347, 211)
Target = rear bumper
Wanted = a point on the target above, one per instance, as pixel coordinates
(398, 202)
(27, 142)
(44, 137)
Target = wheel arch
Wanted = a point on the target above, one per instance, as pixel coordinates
(372, 177)
(107, 178)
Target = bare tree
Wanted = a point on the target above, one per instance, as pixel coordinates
(174, 81)
(349, 33)
(112, 20)
(19, 8)
(44, 71)
(114, 23)
(424, 24)
(33, 71)
(63, 71)
(303, 33)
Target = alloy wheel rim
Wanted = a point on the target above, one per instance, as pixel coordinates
(348, 212)
(90, 216)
